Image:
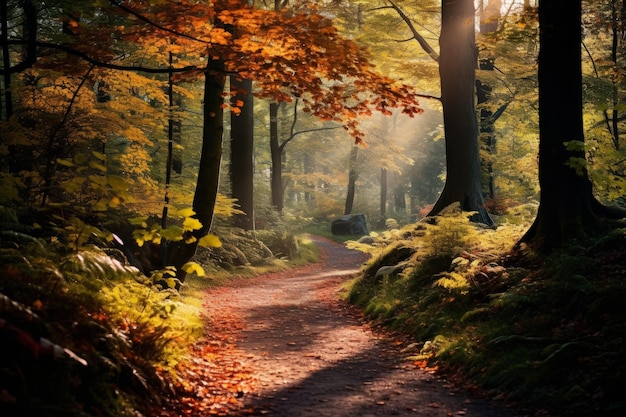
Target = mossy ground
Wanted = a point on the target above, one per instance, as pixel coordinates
(543, 333)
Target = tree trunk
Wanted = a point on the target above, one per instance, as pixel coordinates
(179, 253)
(308, 168)
(7, 109)
(276, 182)
(242, 152)
(567, 209)
(383, 195)
(353, 175)
(399, 198)
(457, 64)
(489, 22)
(618, 29)
(487, 135)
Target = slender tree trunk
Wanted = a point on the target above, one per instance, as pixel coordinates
(487, 135)
(276, 182)
(6, 63)
(399, 197)
(242, 152)
(618, 30)
(489, 21)
(205, 196)
(383, 194)
(353, 175)
(170, 145)
(308, 168)
(457, 63)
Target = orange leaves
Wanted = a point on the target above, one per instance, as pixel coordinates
(289, 53)
(211, 380)
(423, 364)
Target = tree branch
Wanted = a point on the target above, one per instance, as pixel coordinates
(293, 134)
(156, 25)
(104, 64)
(419, 38)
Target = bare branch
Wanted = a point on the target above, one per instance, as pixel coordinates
(416, 35)
(293, 134)
(103, 64)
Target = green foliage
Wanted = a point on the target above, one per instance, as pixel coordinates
(542, 332)
(449, 232)
(116, 334)
(76, 233)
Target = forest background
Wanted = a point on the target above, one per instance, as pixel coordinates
(113, 116)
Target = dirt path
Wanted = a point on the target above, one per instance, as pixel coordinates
(311, 355)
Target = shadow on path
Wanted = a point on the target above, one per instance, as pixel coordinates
(312, 357)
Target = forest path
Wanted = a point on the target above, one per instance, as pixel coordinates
(310, 354)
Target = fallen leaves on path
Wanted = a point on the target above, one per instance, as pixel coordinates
(285, 345)
(212, 379)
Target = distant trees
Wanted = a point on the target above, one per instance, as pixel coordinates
(64, 142)
(457, 64)
(101, 50)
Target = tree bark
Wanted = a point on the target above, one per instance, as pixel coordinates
(383, 195)
(489, 22)
(353, 175)
(205, 196)
(567, 210)
(276, 175)
(457, 63)
(7, 109)
(242, 152)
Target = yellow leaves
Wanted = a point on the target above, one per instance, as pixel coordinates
(99, 155)
(140, 221)
(65, 162)
(191, 223)
(172, 233)
(186, 212)
(193, 267)
(136, 135)
(98, 166)
(210, 241)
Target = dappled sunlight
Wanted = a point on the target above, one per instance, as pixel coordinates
(309, 354)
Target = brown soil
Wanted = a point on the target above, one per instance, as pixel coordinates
(293, 349)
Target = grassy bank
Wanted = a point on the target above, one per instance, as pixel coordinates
(547, 334)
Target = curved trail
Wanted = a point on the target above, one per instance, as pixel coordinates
(312, 355)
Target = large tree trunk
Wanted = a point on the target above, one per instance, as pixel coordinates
(242, 152)
(457, 64)
(206, 192)
(567, 209)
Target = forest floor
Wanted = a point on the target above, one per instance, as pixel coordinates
(285, 344)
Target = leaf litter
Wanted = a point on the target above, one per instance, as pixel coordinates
(284, 344)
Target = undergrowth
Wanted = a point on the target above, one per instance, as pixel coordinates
(546, 334)
(84, 333)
